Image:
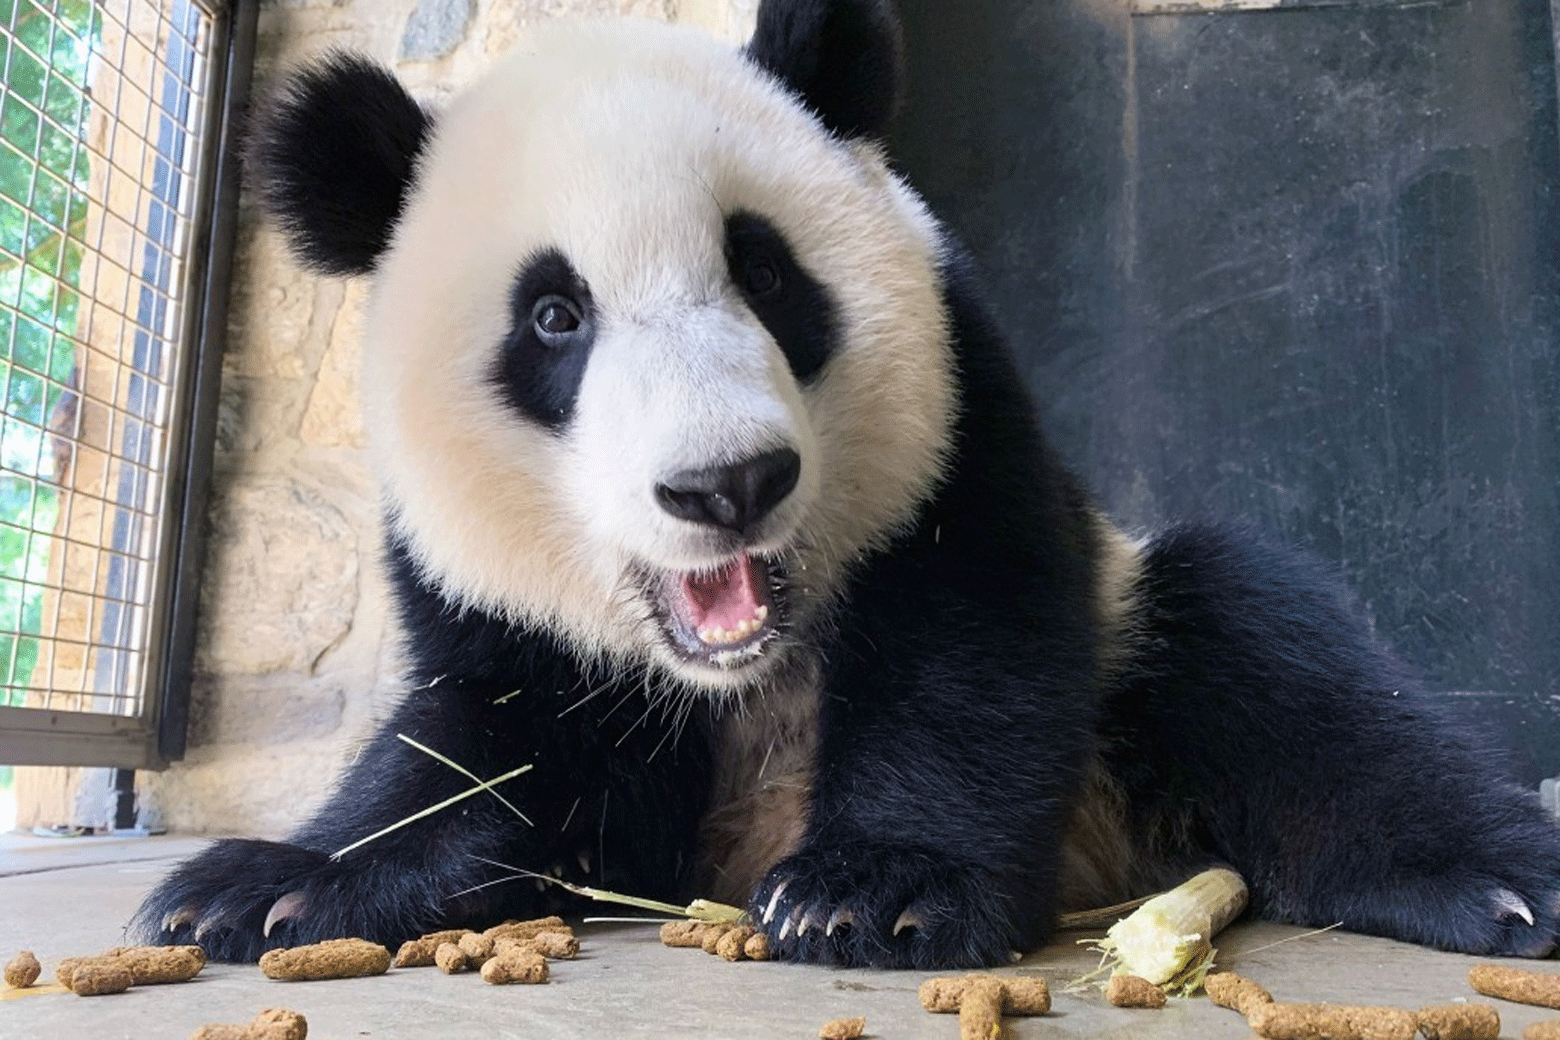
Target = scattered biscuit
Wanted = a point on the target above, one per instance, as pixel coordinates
(22, 970)
(332, 959)
(757, 947)
(710, 938)
(1515, 984)
(1236, 992)
(1549, 1030)
(1134, 991)
(158, 965)
(528, 929)
(476, 946)
(270, 1024)
(515, 965)
(732, 945)
(1331, 1022)
(418, 953)
(843, 1029)
(450, 958)
(682, 933)
(98, 976)
(555, 946)
(982, 1000)
(1459, 1022)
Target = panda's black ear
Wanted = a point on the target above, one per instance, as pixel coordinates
(332, 156)
(842, 56)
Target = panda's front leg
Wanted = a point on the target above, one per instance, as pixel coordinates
(940, 793)
(369, 865)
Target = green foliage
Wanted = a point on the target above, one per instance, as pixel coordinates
(45, 48)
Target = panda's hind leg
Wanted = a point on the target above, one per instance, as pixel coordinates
(1260, 724)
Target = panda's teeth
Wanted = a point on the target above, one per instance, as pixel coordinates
(719, 636)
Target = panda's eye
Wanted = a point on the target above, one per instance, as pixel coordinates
(555, 318)
(761, 278)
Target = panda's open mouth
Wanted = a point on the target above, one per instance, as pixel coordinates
(726, 616)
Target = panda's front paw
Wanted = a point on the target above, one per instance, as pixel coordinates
(239, 898)
(884, 906)
(1515, 916)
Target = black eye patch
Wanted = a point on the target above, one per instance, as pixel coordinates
(552, 324)
(795, 309)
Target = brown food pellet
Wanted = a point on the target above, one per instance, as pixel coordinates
(1025, 995)
(148, 965)
(515, 965)
(682, 933)
(476, 946)
(528, 929)
(1459, 1022)
(22, 970)
(1515, 984)
(332, 959)
(1331, 1022)
(1021, 994)
(982, 1000)
(942, 995)
(1549, 1030)
(98, 976)
(980, 1009)
(1237, 992)
(418, 953)
(711, 936)
(843, 1029)
(270, 1024)
(757, 947)
(555, 946)
(1133, 991)
(450, 958)
(732, 945)
(158, 965)
(65, 969)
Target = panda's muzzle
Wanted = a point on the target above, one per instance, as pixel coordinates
(735, 497)
(725, 615)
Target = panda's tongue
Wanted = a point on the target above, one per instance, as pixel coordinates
(728, 605)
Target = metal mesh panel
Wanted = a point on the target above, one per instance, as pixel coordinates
(100, 107)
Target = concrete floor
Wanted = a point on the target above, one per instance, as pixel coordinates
(70, 896)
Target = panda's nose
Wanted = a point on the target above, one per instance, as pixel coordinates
(735, 496)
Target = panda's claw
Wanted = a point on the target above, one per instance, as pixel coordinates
(815, 917)
(289, 905)
(909, 919)
(774, 900)
(183, 917)
(841, 916)
(1508, 904)
(210, 924)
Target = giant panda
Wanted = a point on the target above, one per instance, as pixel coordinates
(712, 495)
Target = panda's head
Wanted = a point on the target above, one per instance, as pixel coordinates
(656, 350)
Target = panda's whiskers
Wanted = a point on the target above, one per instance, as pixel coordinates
(591, 693)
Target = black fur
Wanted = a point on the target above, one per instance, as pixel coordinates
(333, 160)
(541, 380)
(842, 57)
(962, 693)
(1264, 727)
(1249, 718)
(611, 800)
(795, 309)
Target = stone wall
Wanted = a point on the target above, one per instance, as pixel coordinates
(296, 659)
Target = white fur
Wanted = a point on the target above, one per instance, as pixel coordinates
(625, 146)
